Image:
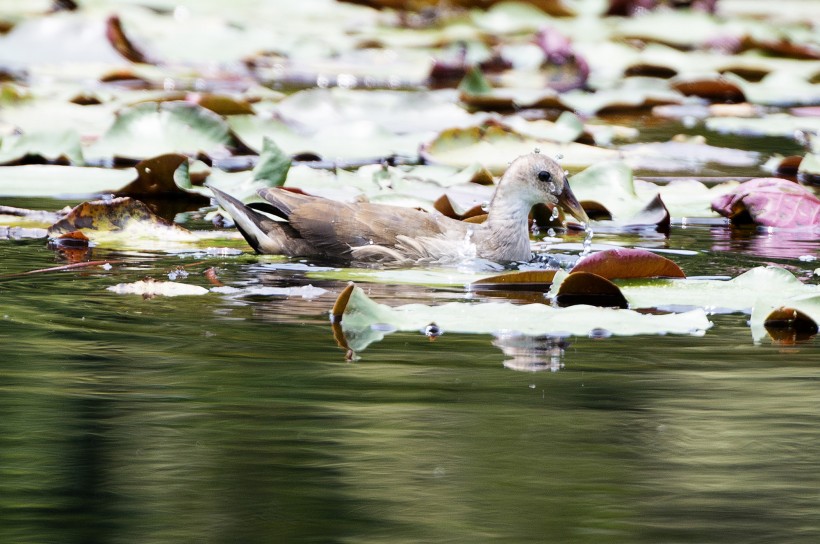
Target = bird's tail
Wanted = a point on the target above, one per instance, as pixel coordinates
(264, 234)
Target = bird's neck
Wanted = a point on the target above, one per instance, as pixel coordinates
(507, 225)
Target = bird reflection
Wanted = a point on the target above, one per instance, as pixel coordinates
(532, 353)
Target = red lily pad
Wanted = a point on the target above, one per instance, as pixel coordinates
(526, 280)
(771, 202)
(628, 263)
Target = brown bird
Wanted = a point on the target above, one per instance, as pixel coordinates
(316, 226)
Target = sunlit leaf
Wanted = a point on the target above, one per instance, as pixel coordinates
(61, 181)
(624, 263)
(152, 288)
(735, 295)
(493, 146)
(150, 129)
(365, 321)
(580, 287)
(52, 146)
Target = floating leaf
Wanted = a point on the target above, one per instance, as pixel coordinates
(365, 321)
(152, 288)
(124, 221)
(587, 288)
(526, 280)
(735, 295)
(155, 177)
(786, 319)
(624, 263)
(772, 202)
(53, 146)
(61, 181)
(493, 146)
(152, 129)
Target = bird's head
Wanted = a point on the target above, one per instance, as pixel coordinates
(539, 179)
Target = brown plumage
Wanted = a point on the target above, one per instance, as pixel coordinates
(315, 226)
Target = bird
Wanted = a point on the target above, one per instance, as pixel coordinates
(297, 224)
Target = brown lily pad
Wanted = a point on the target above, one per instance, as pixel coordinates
(628, 263)
(527, 280)
(789, 326)
(591, 289)
(117, 215)
(714, 90)
(155, 178)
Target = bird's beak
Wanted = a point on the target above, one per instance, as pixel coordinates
(570, 204)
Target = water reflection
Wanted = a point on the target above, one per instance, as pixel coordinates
(763, 242)
(532, 353)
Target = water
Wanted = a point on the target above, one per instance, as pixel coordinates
(237, 419)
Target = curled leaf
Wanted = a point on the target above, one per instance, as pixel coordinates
(771, 202)
(591, 289)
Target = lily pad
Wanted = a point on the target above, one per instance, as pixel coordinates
(786, 318)
(151, 129)
(625, 263)
(735, 295)
(772, 202)
(493, 146)
(52, 146)
(364, 321)
(61, 181)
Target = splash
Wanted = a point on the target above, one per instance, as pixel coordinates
(587, 240)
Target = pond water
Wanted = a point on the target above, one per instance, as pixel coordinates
(238, 419)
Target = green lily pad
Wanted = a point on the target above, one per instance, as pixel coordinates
(61, 181)
(150, 129)
(364, 321)
(736, 295)
(52, 146)
(494, 147)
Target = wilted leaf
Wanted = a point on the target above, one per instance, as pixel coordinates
(625, 263)
(122, 219)
(155, 177)
(772, 202)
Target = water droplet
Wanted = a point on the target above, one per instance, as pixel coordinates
(559, 156)
(432, 331)
(555, 213)
(551, 233)
(551, 187)
(537, 150)
(485, 206)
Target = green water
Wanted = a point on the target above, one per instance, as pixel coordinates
(221, 419)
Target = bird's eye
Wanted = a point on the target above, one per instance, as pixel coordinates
(544, 176)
